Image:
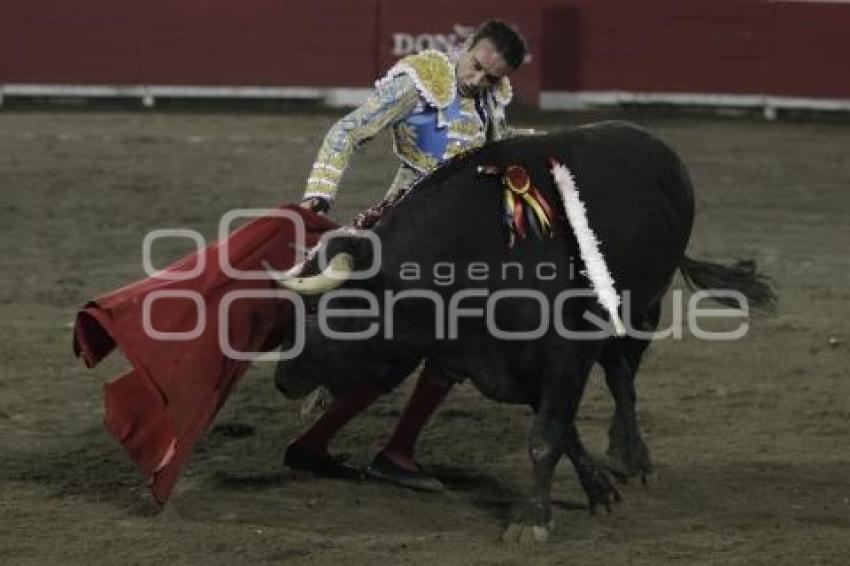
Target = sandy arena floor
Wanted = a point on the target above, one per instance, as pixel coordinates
(751, 438)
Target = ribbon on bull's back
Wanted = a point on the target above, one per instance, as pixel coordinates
(166, 400)
(525, 206)
(595, 267)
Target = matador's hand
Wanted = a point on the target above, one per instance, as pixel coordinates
(316, 204)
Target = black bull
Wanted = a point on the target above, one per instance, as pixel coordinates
(640, 204)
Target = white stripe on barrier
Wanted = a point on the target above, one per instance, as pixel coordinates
(348, 97)
(583, 100)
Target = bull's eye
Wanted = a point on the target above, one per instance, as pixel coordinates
(311, 307)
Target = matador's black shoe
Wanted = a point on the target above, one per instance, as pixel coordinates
(384, 469)
(298, 457)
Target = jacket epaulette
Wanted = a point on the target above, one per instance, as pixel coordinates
(432, 72)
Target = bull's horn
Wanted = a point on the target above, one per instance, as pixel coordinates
(338, 270)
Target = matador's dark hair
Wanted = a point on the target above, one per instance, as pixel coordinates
(507, 40)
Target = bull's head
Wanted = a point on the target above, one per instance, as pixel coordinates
(347, 348)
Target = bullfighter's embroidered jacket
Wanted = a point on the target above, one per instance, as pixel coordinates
(419, 100)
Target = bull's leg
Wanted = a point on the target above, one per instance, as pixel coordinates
(627, 452)
(564, 378)
(595, 482)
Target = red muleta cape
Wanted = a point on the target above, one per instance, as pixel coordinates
(159, 407)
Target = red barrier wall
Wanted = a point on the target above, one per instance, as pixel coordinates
(197, 42)
(809, 49)
(69, 41)
(715, 46)
(664, 45)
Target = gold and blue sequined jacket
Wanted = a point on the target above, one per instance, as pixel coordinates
(430, 122)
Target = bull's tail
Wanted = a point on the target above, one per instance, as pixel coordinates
(742, 276)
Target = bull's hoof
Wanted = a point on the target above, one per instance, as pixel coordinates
(298, 457)
(599, 489)
(384, 469)
(525, 533)
(628, 460)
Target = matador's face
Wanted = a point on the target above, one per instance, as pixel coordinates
(479, 67)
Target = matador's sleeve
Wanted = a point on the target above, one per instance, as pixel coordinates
(500, 96)
(391, 100)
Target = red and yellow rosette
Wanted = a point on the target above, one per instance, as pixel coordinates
(524, 205)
